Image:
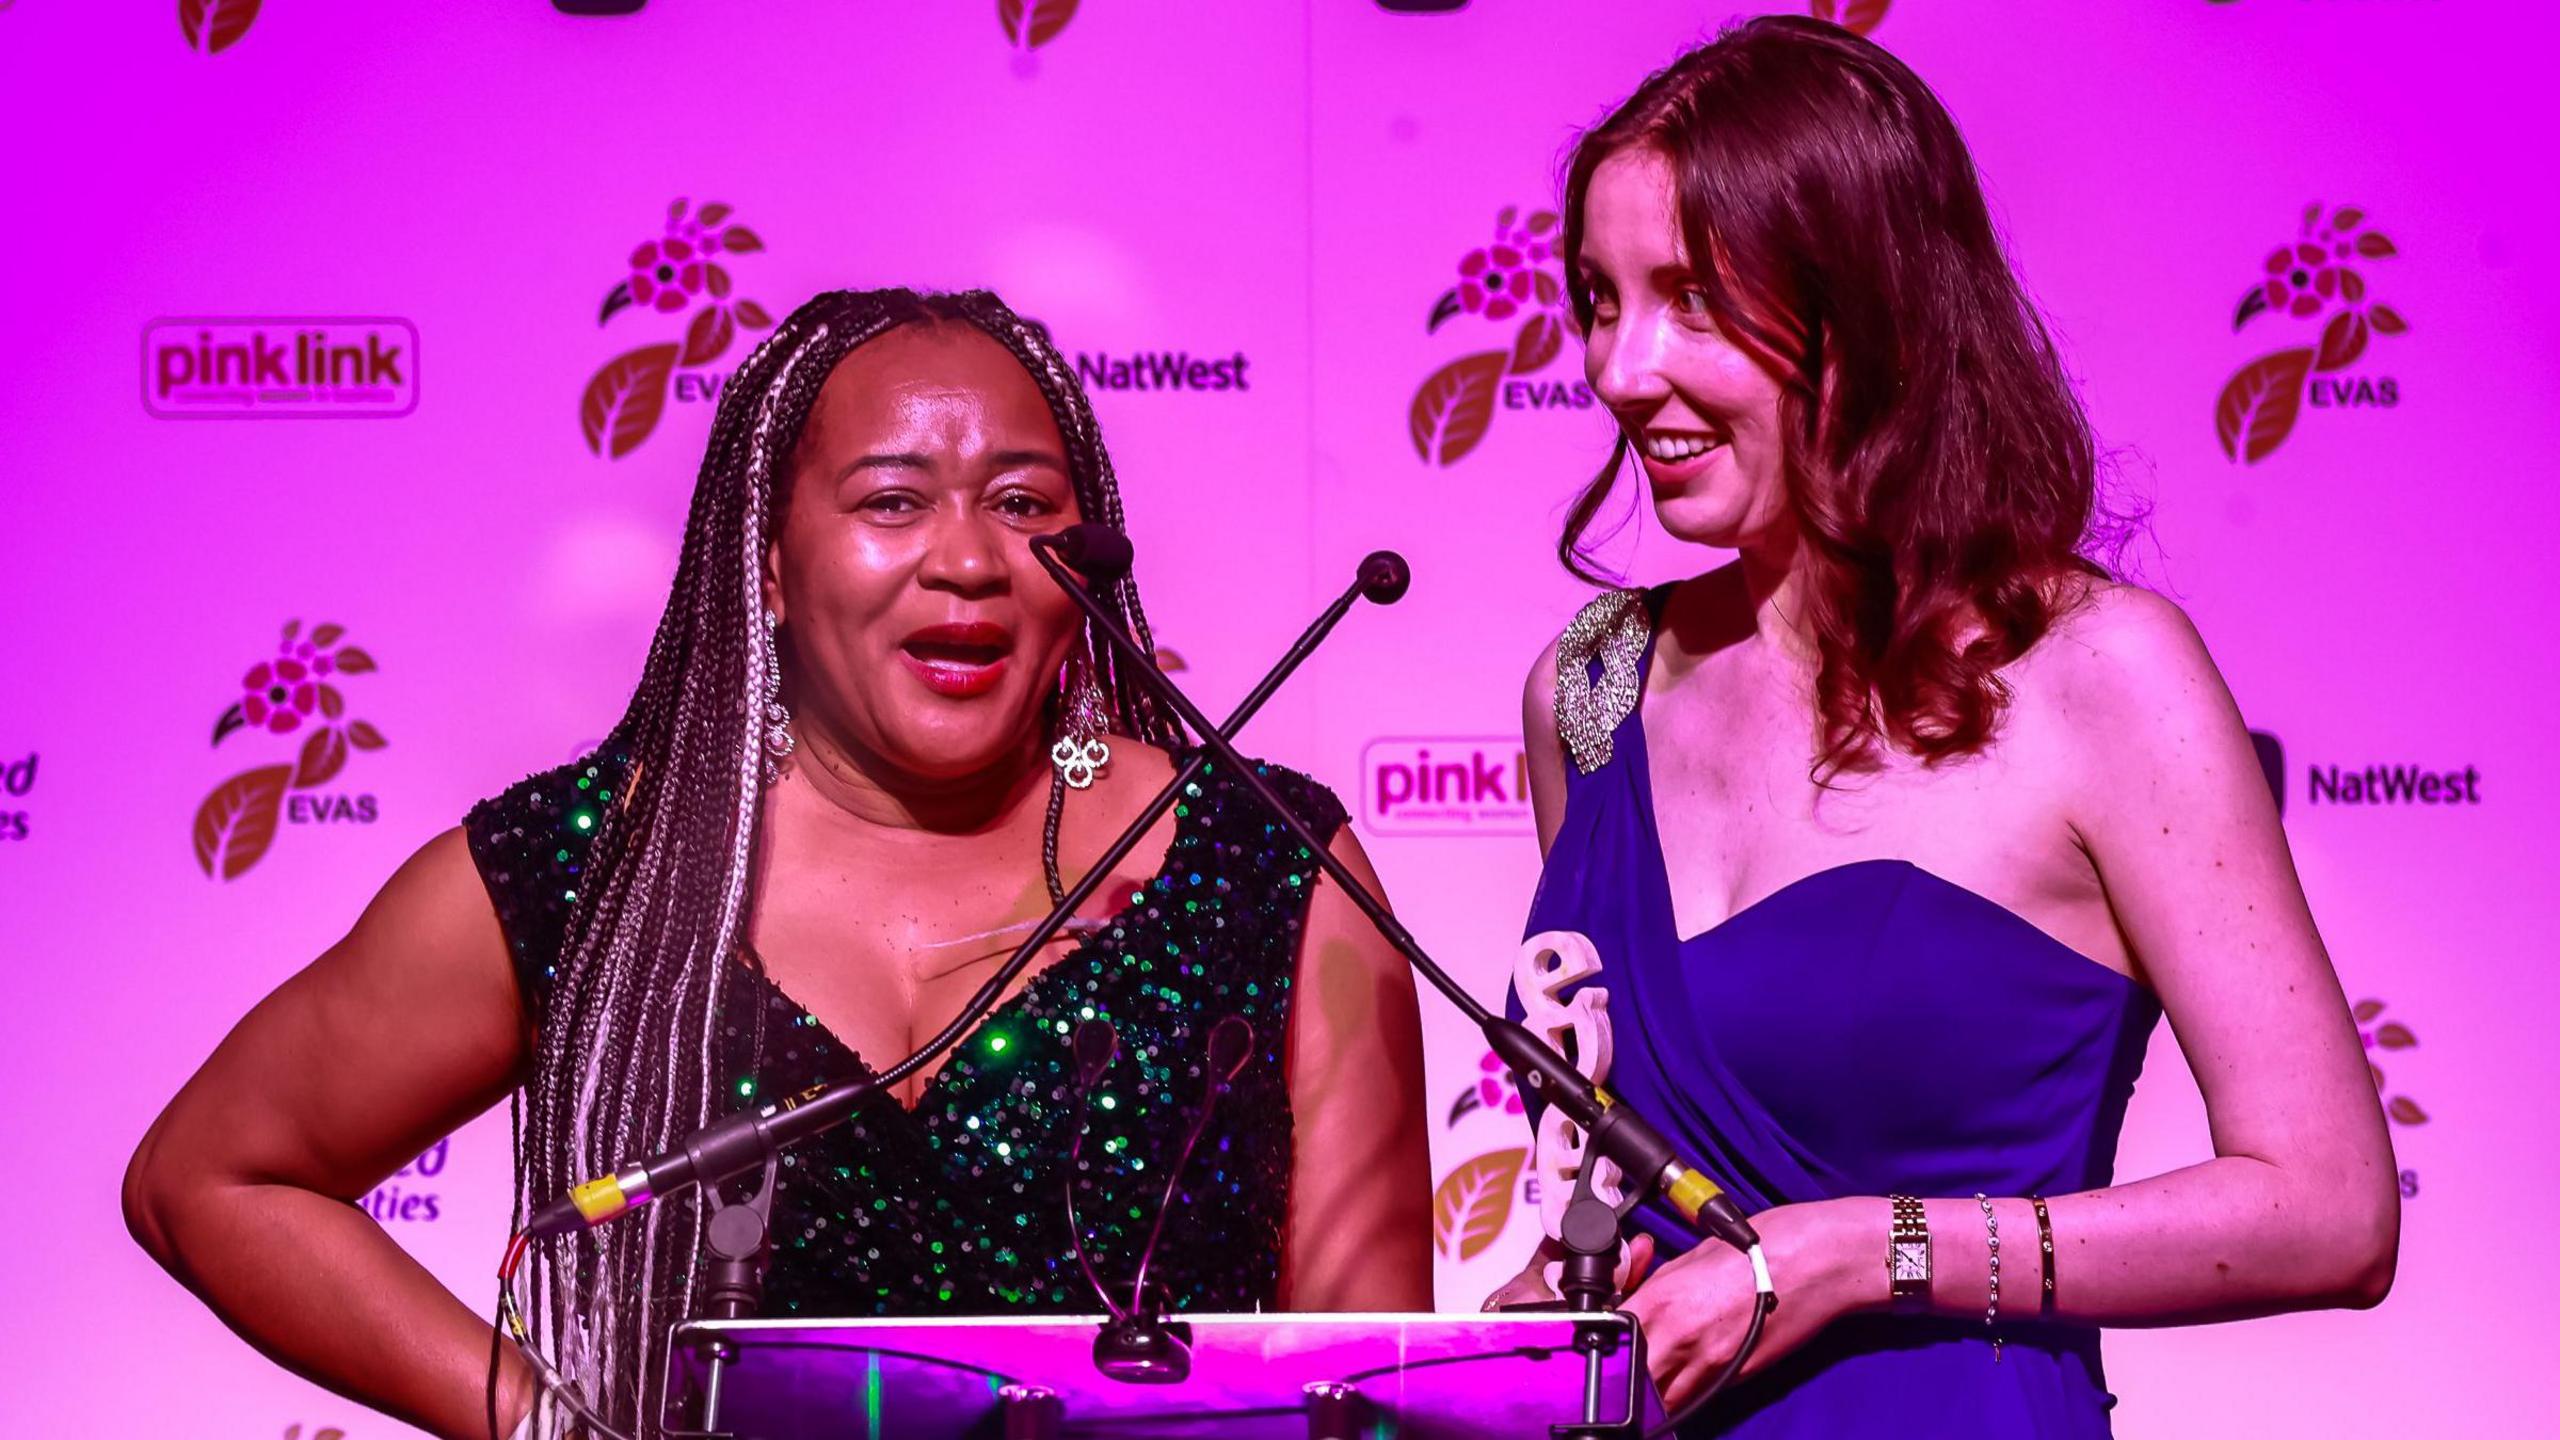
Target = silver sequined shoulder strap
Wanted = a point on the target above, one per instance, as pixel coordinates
(1612, 629)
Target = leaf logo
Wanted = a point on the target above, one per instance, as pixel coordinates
(679, 271)
(1030, 24)
(1858, 16)
(1513, 275)
(2387, 1035)
(294, 690)
(1470, 1207)
(2305, 278)
(214, 26)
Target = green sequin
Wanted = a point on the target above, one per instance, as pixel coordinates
(891, 1213)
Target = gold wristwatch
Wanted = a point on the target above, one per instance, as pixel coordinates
(1907, 1253)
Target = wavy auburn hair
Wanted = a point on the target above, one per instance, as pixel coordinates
(1940, 469)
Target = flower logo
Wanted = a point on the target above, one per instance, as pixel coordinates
(1492, 1090)
(671, 273)
(213, 26)
(291, 691)
(1857, 16)
(2387, 1035)
(1511, 276)
(2313, 275)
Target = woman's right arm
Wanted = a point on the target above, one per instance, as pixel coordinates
(245, 1187)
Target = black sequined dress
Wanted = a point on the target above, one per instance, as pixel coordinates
(956, 1207)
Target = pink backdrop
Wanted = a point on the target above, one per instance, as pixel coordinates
(1281, 192)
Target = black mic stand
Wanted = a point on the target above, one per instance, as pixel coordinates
(1612, 1130)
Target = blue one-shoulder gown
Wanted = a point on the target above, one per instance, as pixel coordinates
(1868, 1029)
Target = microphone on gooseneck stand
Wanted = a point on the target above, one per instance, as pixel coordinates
(1139, 1345)
(1647, 1159)
(1096, 1042)
(1612, 1129)
(1230, 1045)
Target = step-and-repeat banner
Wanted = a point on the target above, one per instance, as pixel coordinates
(337, 495)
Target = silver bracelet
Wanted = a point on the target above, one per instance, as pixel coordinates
(1991, 1222)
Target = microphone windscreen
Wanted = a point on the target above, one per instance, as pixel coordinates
(1097, 552)
(1096, 1042)
(1230, 1045)
(1384, 577)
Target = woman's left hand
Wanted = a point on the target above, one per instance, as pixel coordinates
(1827, 1258)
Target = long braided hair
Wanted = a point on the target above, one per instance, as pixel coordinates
(624, 1064)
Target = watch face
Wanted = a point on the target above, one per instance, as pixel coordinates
(1911, 1260)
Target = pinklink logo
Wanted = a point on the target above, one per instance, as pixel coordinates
(280, 369)
(2305, 279)
(1512, 277)
(1461, 785)
(680, 270)
(293, 692)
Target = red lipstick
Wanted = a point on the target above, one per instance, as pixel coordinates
(958, 660)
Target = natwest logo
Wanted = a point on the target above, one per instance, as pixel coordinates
(2394, 785)
(1163, 370)
(1445, 785)
(287, 367)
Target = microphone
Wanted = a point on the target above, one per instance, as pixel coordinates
(1384, 577)
(1097, 552)
(1230, 1045)
(741, 1142)
(1138, 1346)
(1613, 1129)
(1096, 1042)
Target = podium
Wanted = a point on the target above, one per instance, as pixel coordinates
(1252, 1377)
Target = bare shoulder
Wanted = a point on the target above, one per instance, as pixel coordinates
(2118, 655)
(2122, 700)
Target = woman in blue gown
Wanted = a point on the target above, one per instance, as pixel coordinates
(1874, 857)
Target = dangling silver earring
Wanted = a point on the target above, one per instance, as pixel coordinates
(779, 742)
(1083, 716)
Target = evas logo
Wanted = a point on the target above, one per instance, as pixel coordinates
(294, 692)
(677, 272)
(1861, 16)
(213, 26)
(2305, 279)
(1513, 277)
(1472, 1205)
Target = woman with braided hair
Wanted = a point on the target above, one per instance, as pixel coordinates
(870, 743)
